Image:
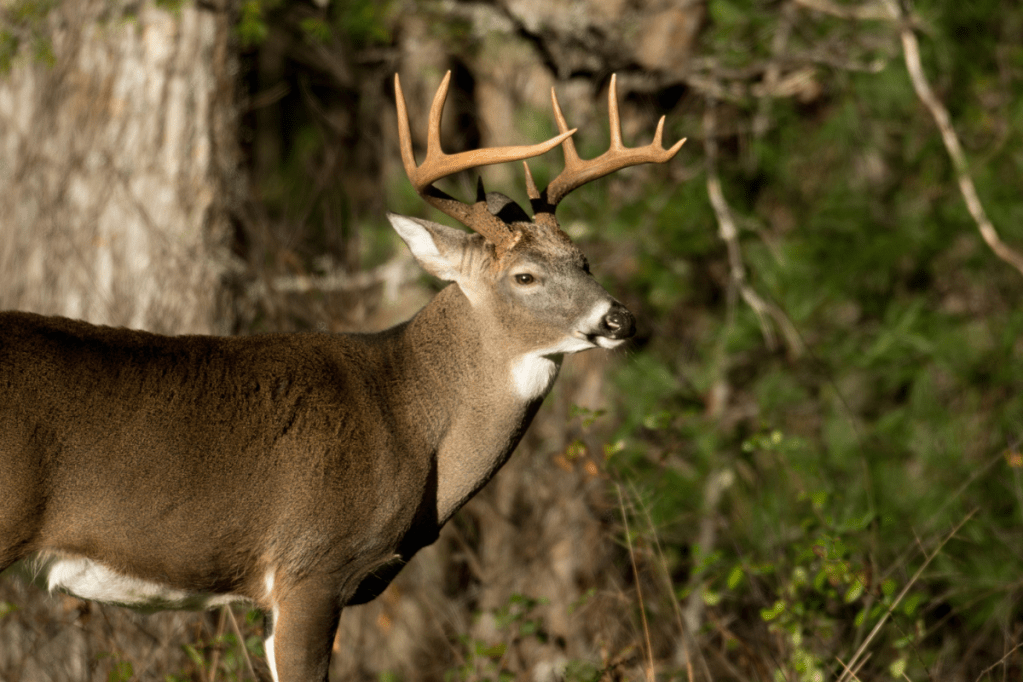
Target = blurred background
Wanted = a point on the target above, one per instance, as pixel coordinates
(807, 466)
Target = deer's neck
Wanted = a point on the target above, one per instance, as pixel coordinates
(465, 390)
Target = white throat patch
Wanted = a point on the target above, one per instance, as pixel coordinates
(534, 374)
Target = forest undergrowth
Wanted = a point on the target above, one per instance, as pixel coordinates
(812, 453)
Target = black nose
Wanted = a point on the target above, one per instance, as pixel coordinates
(618, 323)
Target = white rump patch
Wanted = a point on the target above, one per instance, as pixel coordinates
(86, 579)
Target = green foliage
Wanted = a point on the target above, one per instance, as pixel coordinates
(173, 6)
(23, 22)
(121, 669)
(904, 415)
(518, 620)
(316, 29)
(364, 22)
(223, 656)
(252, 27)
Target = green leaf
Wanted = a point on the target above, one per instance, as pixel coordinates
(194, 655)
(710, 597)
(774, 611)
(251, 29)
(911, 603)
(121, 672)
(316, 29)
(854, 592)
(735, 576)
(493, 651)
(898, 667)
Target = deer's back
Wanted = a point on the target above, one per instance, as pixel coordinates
(227, 440)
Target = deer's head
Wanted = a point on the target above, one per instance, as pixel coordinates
(522, 273)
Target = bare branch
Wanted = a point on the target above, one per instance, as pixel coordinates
(911, 52)
(392, 274)
(764, 310)
(713, 490)
(639, 588)
(772, 75)
(867, 11)
(849, 669)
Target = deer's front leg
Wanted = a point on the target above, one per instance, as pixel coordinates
(301, 630)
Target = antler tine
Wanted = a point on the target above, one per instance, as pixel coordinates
(568, 146)
(578, 172)
(408, 158)
(437, 164)
(613, 119)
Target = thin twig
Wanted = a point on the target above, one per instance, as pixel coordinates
(717, 483)
(977, 473)
(669, 586)
(639, 589)
(999, 662)
(911, 52)
(764, 310)
(762, 119)
(871, 10)
(850, 671)
(218, 637)
(903, 593)
(241, 642)
(391, 274)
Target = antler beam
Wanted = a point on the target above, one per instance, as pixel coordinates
(578, 172)
(437, 165)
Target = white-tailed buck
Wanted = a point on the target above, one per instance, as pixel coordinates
(300, 472)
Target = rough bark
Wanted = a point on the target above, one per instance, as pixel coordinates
(117, 167)
(118, 176)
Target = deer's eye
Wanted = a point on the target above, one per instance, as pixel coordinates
(524, 278)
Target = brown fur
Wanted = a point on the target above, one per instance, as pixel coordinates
(322, 461)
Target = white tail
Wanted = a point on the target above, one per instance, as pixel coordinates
(299, 472)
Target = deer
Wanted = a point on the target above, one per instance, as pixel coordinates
(299, 472)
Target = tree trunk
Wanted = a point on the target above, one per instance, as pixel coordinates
(119, 167)
(118, 176)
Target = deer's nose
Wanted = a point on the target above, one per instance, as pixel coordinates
(618, 323)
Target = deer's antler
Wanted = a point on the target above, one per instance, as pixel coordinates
(578, 172)
(437, 165)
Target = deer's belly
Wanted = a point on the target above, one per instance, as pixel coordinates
(87, 579)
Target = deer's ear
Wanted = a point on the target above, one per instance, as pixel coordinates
(438, 248)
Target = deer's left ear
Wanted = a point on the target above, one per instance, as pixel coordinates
(438, 248)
